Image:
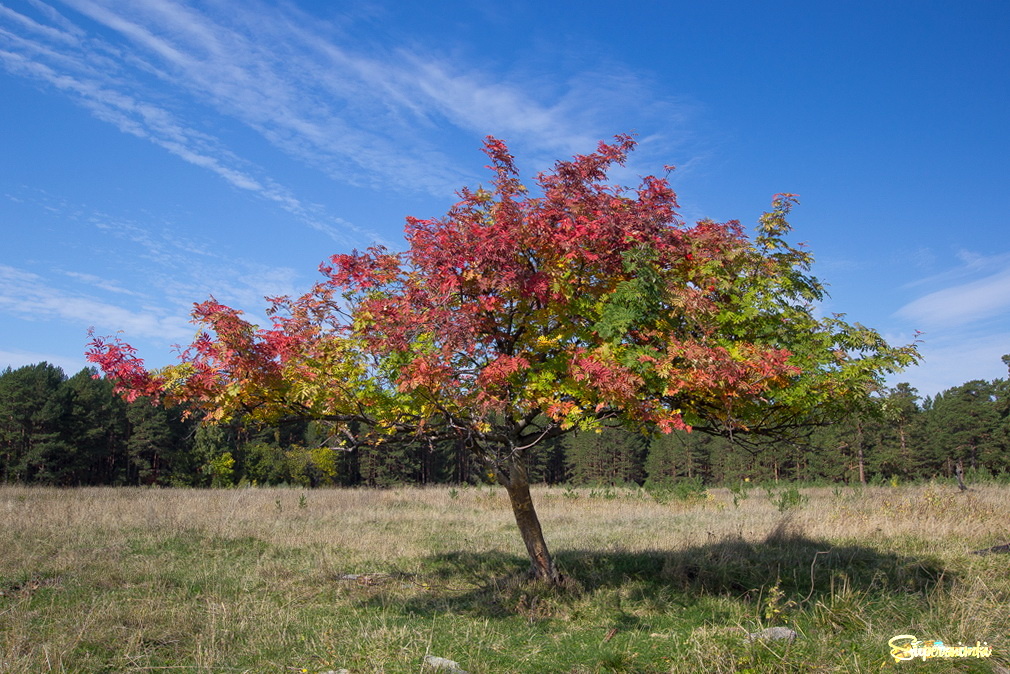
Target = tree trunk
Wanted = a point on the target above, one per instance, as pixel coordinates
(516, 483)
(862, 463)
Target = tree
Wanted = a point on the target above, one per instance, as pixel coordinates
(519, 317)
(34, 408)
(155, 443)
(612, 456)
(964, 426)
(899, 409)
(97, 431)
(673, 456)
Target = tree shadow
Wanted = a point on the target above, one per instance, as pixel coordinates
(804, 571)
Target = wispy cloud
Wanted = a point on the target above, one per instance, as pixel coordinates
(249, 91)
(110, 83)
(181, 270)
(964, 313)
(107, 285)
(139, 277)
(30, 297)
(370, 116)
(569, 123)
(951, 359)
(966, 301)
(87, 300)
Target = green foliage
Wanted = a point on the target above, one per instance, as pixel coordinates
(776, 608)
(740, 491)
(607, 456)
(636, 300)
(968, 423)
(153, 442)
(606, 492)
(55, 430)
(34, 411)
(685, 489)
(70, 431)
(266, 463)
(678, 454)
(94, 446)
(222, 470)
(786, 498)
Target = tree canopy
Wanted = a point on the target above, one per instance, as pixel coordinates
(523, 314)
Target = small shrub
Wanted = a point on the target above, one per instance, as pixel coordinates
(607, 492)
(739, 493)
(788, 499)
(776, 607)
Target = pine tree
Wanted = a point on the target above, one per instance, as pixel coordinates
(33, 413)
(676, 455)
(964, 425)
(97, 432)
(612, 456)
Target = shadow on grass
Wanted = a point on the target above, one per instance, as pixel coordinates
(804, 570)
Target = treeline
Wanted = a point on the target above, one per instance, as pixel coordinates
(74, 431)
(68, 431)
(899, 436)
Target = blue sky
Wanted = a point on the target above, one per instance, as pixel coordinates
(155, 151)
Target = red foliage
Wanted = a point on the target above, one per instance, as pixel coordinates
(119, 362)
(496, 307)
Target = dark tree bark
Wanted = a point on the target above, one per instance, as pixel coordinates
(515, 479)
(959, 473)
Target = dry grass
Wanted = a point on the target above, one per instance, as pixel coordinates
(273, 580)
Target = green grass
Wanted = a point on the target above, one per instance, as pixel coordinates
(275, 580)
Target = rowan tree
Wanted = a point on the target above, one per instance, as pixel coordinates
(521, 315)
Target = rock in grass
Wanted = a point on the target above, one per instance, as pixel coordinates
(774, 633)
(436, 662)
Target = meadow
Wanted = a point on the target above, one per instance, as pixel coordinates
(290, 580)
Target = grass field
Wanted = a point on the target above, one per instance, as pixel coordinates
(287, 580)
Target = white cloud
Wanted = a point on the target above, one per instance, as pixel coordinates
(143, 283)
(28, 296)
(179, 270)
(306, 96)
(28, 24)
(16, 359)
(113, 90)
(962, 304)
(107, 285)
(952, 359)
(362, 115)
(964, 313)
